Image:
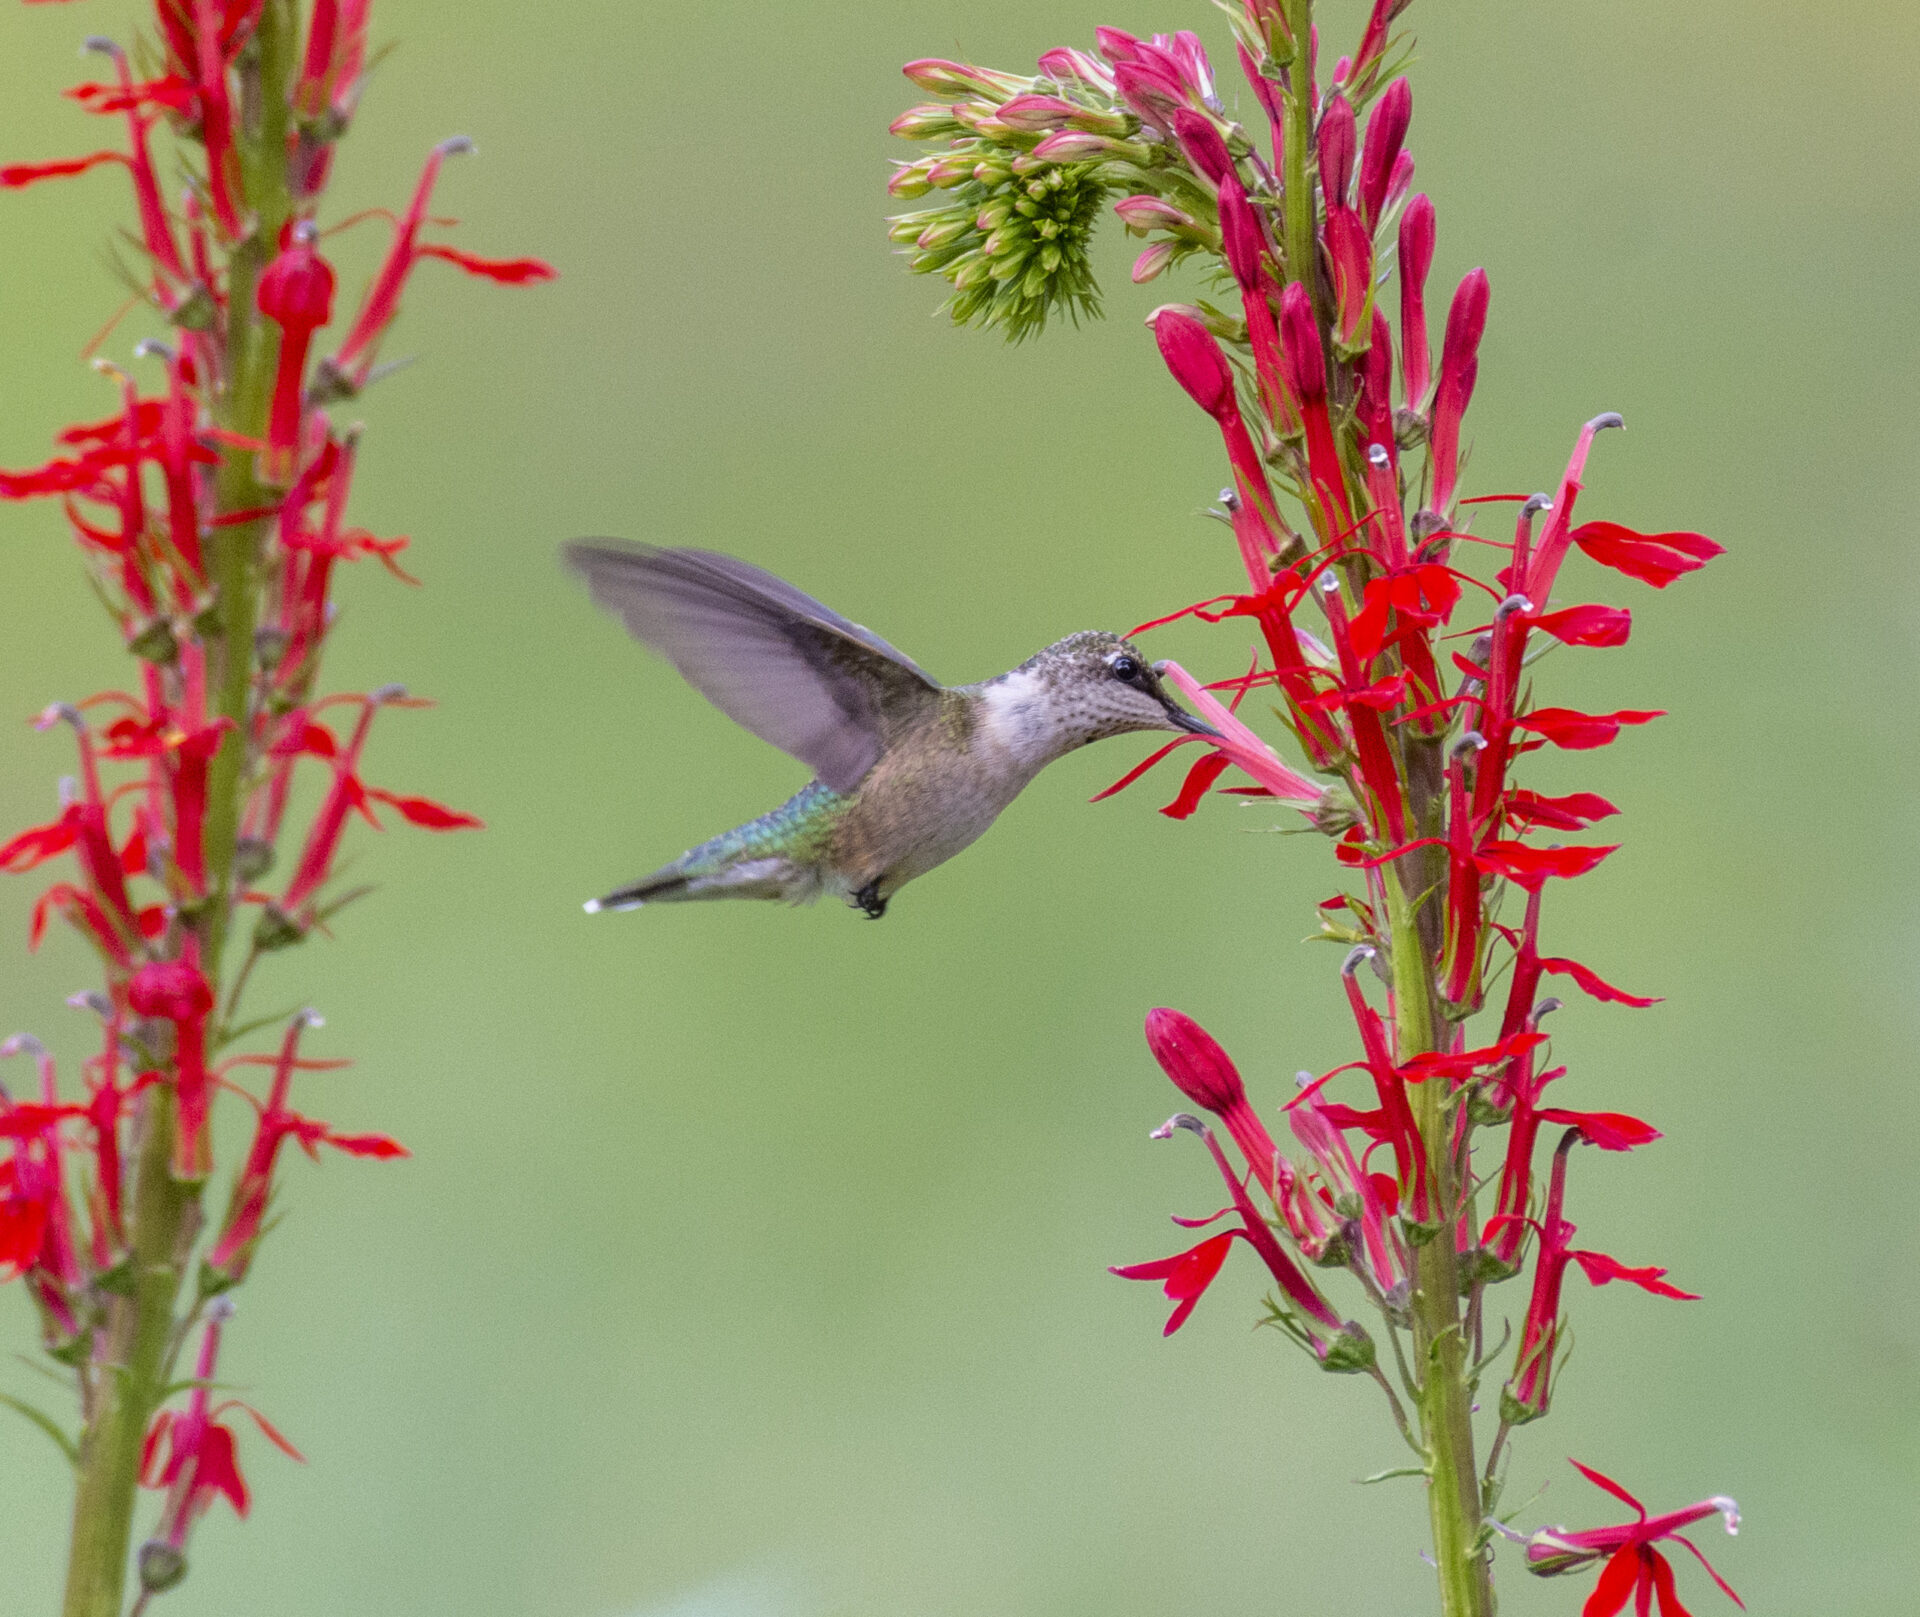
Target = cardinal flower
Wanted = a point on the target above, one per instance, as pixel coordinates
(1634, 1568)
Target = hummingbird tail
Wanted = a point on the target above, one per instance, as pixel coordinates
(668, 887)
(678, 884)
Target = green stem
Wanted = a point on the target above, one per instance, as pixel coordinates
(1302, 252)
(130, 1369)
(1440, 1347)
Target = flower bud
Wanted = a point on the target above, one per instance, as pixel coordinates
(1336, 145)
(1194, 358)
(1386, 133)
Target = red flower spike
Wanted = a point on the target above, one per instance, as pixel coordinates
(1386, 134)
(296, 293)
(1416, 259)
(1459, 367)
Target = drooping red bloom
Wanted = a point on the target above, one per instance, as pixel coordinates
(192, 1455)
(1633, 1567)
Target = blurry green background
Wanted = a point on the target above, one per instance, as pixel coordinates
(751, 1263)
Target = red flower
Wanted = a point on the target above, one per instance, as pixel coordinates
(175, 991)
(1633, 1568)
(202, 1461)
(354, 360)
(296, 293)
(247, 1210)
(1527, 1393)
(1187, 1274)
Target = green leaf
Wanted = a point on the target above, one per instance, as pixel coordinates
(47, 1424)
(1390, 1473)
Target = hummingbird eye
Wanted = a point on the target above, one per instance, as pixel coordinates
(1126, 669)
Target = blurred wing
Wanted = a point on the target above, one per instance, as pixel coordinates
(772, 659)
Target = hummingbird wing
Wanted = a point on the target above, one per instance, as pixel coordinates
(771, 658)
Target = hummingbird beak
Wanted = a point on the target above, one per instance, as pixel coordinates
(1183, 720)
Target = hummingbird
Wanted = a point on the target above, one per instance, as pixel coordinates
(907, 771)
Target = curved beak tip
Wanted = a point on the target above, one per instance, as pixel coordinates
(1183, 720)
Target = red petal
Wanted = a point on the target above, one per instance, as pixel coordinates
(1611, 1131)
(1600, 1269)
(1201, 776)
(507, 271)
(1663, 1587)
(1576, 731)
(1521, 863)
(1186, 1275)
(1588, 625)
(1617, 1579)
(367, 1145)
(1601, 1480)
(1653, 558)
(217, 1469)
(1591, 982)
(1141, 768)
(36, 846)
(273, 1434)
(1574, 812)
(15, 175)
(423, 811)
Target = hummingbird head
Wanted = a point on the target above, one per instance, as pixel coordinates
(1080, 689)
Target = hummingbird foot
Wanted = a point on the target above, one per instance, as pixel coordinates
(868, 899)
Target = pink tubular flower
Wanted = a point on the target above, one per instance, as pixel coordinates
(176, 992)
(296, 293)
(1459, 367)
(1247, 751)
(1634, 1568)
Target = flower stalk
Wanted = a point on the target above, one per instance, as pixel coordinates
(1403, 675)
(211, 514)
